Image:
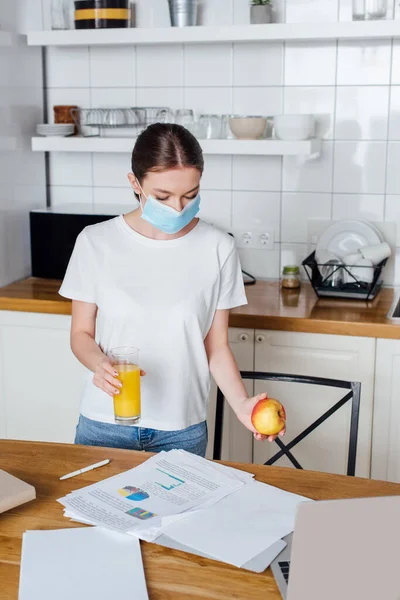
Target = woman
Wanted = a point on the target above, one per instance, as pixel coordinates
(162, 280)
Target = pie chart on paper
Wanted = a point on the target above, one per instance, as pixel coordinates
(133, 493)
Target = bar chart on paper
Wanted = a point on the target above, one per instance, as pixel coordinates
(167, 481)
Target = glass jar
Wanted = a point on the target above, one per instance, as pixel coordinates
(290, 277)
(366, 10)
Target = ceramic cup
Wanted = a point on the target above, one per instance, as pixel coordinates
(376, 254)
(362, 271)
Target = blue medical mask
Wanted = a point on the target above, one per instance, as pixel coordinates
(165, 218)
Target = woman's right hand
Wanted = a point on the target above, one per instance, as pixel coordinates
(105, 378)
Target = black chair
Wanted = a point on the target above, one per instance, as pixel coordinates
(354, 388)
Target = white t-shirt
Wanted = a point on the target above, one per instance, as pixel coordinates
(160, 297)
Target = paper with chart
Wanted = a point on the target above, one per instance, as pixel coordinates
(162, 488)
(240, 526)
(81, 564)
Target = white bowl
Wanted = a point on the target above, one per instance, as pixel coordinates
(294, 127)
(247, 128)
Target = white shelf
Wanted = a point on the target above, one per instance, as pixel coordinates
(346, 30)
(125, 145)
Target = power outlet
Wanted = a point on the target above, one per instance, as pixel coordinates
(259, 239)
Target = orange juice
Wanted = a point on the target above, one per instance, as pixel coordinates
(127, 403)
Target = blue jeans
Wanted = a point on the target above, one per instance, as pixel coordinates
(95, 433)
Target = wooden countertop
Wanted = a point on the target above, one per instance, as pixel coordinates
(169, 573)
(269, 308)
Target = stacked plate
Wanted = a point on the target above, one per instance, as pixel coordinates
(58, 130)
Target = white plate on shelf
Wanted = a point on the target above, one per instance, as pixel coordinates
(346, 237)
(57, 130)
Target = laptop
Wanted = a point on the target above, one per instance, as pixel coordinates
(342, 549)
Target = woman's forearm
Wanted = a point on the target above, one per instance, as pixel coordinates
(226, 374)
(87, 350)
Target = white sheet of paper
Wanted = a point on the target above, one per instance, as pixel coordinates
(258, 564)
(240, 526)
(165, 486)
(81, 564)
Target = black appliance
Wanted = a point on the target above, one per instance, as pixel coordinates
(54, 232)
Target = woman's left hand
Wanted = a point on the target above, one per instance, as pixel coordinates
(244, 415)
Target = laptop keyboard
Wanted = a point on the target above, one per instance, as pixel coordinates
(285, 567)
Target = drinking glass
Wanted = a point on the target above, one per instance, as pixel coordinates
(212, 126)
(184, 116)
(127, 405)
(365, 10)
(60, 14)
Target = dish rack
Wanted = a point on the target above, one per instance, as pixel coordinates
(106, 122)
(354, 288)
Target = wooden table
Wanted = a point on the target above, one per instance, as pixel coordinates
(170, 574)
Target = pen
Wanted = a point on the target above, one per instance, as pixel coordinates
(89, 468)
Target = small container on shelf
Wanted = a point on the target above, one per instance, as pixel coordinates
(102, 14)
(291, 277)
(63, 115)
(369, 10)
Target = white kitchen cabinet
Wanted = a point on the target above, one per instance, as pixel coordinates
(334, 356)
(237, 441)
(41, 380)
(386, 427)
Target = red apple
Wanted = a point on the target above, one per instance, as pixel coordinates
(268, 416)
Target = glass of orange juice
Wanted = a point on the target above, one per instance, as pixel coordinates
(127, 403)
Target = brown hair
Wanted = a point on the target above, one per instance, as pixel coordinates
(165, 146)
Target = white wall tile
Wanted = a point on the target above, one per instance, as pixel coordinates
(109, 97)
(114, 195)
(262, 264)
(393, 168)
(394, 113)
(61, 194)
(319, 101)
(69, 96)
(111, 170)
(364, 63)
(304, 174)
(297, 209)
(169, 97)
(214, 13)
(216, 208)
(308, 11)
(392, 213)
(67, 67)
(159, 66)
(360, 167)
(209, 100)
(396, 62)
(362, 113)
(358, 206)
(217, 172)
(257, 173)
(112, 66)
(257, 64)
(207, 65)
(255, 210)
(257, 101)
(310, 63)
(70, 168)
